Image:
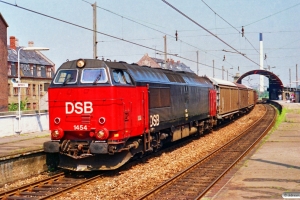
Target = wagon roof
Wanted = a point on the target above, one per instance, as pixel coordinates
(221, 82)
(241, 86)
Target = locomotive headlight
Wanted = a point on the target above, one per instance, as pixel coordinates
(80, 63)
(57, 134)
(102, 134)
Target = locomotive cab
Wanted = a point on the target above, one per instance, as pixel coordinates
(91, 109)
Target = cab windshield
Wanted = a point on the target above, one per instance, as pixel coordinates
(66, 76)
(94, 75)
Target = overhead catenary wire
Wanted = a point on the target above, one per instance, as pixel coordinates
(108, 35)
(208, 31)
(124, 17)
(230, 25)
(272, 14)
(134, 21)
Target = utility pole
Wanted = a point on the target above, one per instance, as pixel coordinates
(213, 69)
(95, 29)
(290, 79)
(222, 72)
(227, 74)
(296, 77)
(197, 63)
(261, 63)
(165, 44)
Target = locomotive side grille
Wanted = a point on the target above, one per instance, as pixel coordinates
(86, 118)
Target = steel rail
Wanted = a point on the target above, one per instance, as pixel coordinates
(6, 194)
(267, 129)
(190, 168)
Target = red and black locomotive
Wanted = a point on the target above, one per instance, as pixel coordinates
(101, 113)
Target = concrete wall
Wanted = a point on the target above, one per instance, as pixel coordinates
(30, 122)
(23, 167)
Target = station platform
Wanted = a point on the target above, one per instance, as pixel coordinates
(22, 144)
(271, 169)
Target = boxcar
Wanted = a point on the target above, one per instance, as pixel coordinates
(227, 98)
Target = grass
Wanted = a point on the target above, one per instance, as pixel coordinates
(281, 118)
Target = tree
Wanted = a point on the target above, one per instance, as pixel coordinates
(15, 107)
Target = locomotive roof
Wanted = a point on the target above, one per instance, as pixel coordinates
(157, 75)
(145, 74)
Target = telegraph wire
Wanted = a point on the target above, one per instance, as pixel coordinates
(208, 31)
(89, 29)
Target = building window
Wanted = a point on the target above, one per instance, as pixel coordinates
(34, 106)
(9, 69)
(9, 90)
(49, 70)
(34, 71)
(46, 86)
(15, 91)
(28, 106)
(41, 89)
(33, 90)
(39, 74)
(31, 69)
(28, 90)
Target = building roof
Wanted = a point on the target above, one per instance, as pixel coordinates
(27, 57)
(1, 17)
(170, 64)
(177, 66)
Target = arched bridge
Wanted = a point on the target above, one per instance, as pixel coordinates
(275, 84)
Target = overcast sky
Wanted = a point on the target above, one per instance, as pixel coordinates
(214, 26)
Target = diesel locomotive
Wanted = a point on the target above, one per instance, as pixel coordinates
(102, 113)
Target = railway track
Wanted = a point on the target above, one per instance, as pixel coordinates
(56, 185)
(196, 180)
(48, 188)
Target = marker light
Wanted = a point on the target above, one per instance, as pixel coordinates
(101, 120)
(57, 120)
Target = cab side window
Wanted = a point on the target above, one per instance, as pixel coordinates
(121, 77)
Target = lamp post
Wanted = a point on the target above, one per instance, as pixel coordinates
(19, 80)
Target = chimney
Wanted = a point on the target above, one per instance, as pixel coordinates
(17, 42)
(12, 42)
(30, 43)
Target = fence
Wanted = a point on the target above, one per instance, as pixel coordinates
(31, 121)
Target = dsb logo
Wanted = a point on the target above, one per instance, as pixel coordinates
(79, 107)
